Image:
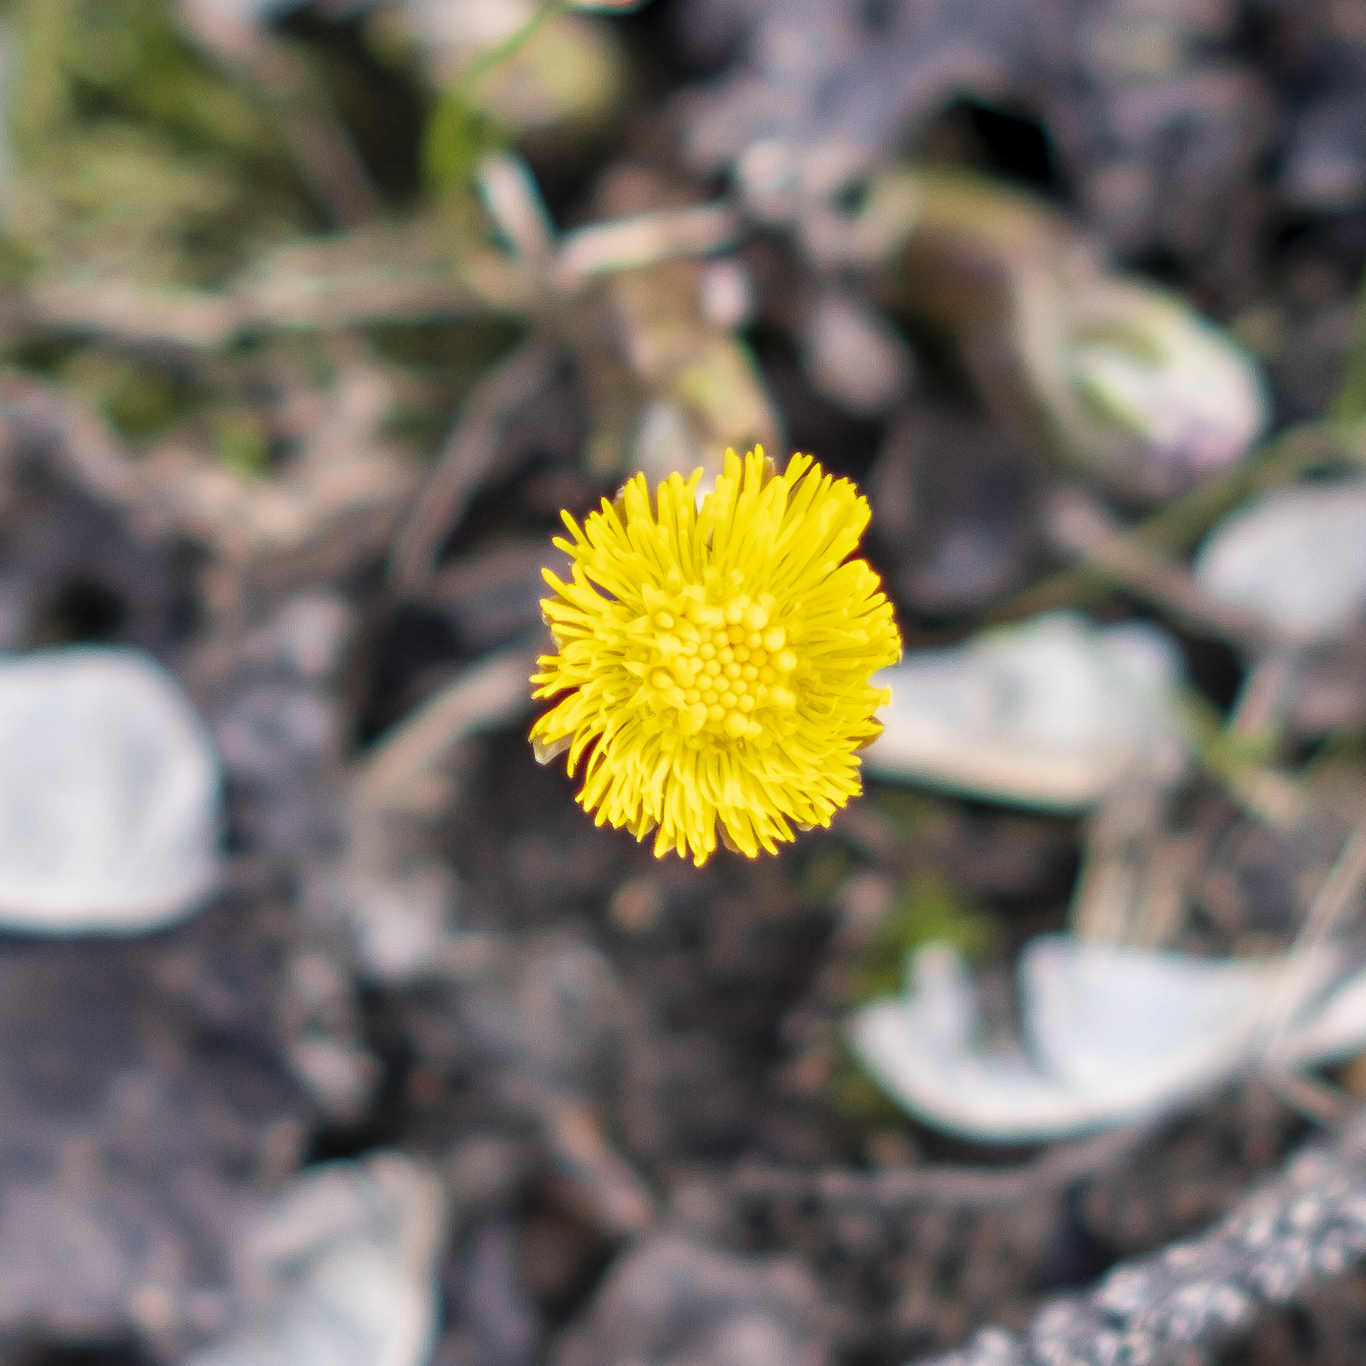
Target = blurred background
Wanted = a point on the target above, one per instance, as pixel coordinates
(332, 1032)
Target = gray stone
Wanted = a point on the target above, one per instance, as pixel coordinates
(109, 795)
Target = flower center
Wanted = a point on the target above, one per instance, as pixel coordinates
(724, 668)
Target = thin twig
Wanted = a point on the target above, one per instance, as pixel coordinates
(1082, 527)
(321, 147)
(1302, 978)
(131, 312)
(399, 776)
(468, 453)
(1181, 522)
(962, 1187)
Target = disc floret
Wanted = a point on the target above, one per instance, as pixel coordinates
(721, 664)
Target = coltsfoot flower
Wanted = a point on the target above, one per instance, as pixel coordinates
(715, 659)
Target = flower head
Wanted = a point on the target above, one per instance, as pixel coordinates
(715, 659)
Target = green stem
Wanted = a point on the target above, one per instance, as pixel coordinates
(487, 61)
(1282, 459)
(456, 128)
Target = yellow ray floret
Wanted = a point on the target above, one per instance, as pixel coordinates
(714, 660)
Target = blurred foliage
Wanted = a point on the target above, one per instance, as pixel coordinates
(928, 909)
(856, 1099)
(822, 874)
(473, 344)
(138, 398)
(135, 151)
(906, 808)
(240, 442)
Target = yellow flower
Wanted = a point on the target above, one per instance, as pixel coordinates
(716, 659)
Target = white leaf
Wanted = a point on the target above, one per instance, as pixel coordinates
(1052, 713)
(1114, 1035)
